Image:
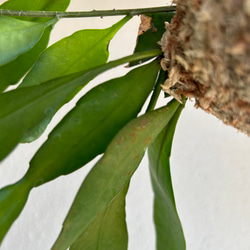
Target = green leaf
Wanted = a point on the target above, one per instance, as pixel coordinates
(76, 57)
(46, 5)
(88, 128)
(108, 230)
(83, 133)
(149, 39)
(24, 62)
(8, 195)
(17, 37)
(112, 172)
(168, 227)
(82, 50)
(30, 108)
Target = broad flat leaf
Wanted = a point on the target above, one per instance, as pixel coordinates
(46, 5)
(17, 37)
(112, 172)
(82, 50)
(83, 133)
(23, 62)
(108, 230)
(28, 108)
(168, 227)
(149, 39)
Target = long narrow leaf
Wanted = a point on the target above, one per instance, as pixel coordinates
(33, 107)
(88, 128)
(83, 134)
(82, 50)
(112, 173)
(108, 230)
(168, 227)
(17, 37)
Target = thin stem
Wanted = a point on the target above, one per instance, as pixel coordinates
(92, 73)
(94, 13)
(161, 78)
(135, 57)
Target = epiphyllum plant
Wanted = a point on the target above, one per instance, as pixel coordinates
(47, 84)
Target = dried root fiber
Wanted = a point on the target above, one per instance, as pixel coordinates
(207, 53)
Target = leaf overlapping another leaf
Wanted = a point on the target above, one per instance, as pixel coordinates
(17, 36)
(167, 223)
(88, 128)
(112, 172)
(108, 230)
(82, 50)
(30, 109)
(24, 61)
(83, 133)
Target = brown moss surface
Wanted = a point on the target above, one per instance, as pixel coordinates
(207, 54)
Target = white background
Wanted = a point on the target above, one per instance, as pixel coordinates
(210, 168)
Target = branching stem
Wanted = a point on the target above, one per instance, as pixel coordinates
(94, 13)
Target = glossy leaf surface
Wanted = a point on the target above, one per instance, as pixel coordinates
(17, 37)
(75, 57)
(82, 134)
(88, 128)
(82, 50)
(112, 172)
(30, 109)
(150, 38)
(108, 230)
(23, 62)
(169, 234)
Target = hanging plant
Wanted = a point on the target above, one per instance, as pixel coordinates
(176, 50)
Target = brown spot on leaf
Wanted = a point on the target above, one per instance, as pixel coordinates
(147, 140)
(136, 157)
(134, 137)
(143, 124)
(119, 142)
